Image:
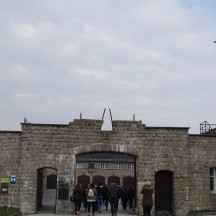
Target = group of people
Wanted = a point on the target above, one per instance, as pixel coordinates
(94, 197)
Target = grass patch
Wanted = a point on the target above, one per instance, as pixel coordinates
(4, 211)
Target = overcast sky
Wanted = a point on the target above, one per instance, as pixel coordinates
(152, 58)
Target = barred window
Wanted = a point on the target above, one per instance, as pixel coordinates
(213, 179)
(91, 165)
(130, 166)
(118, 166)
(104, 165)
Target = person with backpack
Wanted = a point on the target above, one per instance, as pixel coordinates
(91, 199)
(113, 197)
(77, 194)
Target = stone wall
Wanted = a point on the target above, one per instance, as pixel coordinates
(10, 155)
(42, 146)
(155, 148)
(166, 149)
(202, 157)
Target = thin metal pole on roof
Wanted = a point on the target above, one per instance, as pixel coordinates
(103, 113)
(111, 117)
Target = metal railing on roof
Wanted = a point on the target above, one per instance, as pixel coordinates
(207, 129)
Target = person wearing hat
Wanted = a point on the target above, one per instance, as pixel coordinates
(147, 200)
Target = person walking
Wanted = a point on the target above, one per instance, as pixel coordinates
(85, 188)
(105, 196)
(124, 197)
(78, 195)
(113, 197)
(100, 190)
(131, 194)
(91, 199)
(147, 200)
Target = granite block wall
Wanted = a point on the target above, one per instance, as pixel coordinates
(37, 146)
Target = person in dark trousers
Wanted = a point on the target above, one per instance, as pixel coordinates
(113, 197)
(99, 197)
(105, 196)
(131, 194)
(78, 195)
(91, 194)
(124, 197)
(147, 201)
(85, 187)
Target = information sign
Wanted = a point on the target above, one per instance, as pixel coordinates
(4, 180)
(4, 188)
(13, 180)
(4, 185)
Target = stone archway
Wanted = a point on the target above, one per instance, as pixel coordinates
(46, 189)
(114, 148)
(100, 147)
(83, 180)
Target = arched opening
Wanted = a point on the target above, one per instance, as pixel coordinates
(129, 181)
(99, 180)
(114, 179)
(46, 190)
(164, 193)
(83, 180)
(107, 167)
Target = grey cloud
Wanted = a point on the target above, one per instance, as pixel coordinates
(155, 59)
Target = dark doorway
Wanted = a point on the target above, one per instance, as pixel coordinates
(99, 180)
(164, 193)
(112, 179)
(128, 181)
(39, 188)
(83, 180)
(52, 181)
(46, 190)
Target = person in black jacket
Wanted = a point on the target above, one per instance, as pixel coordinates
(85, 187)
(124, 197)
(131, 194)
(105, 196)
(113, 197)
(78, 195)
(100, 191)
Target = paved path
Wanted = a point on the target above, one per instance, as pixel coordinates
(49, 204)
(104, 212)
